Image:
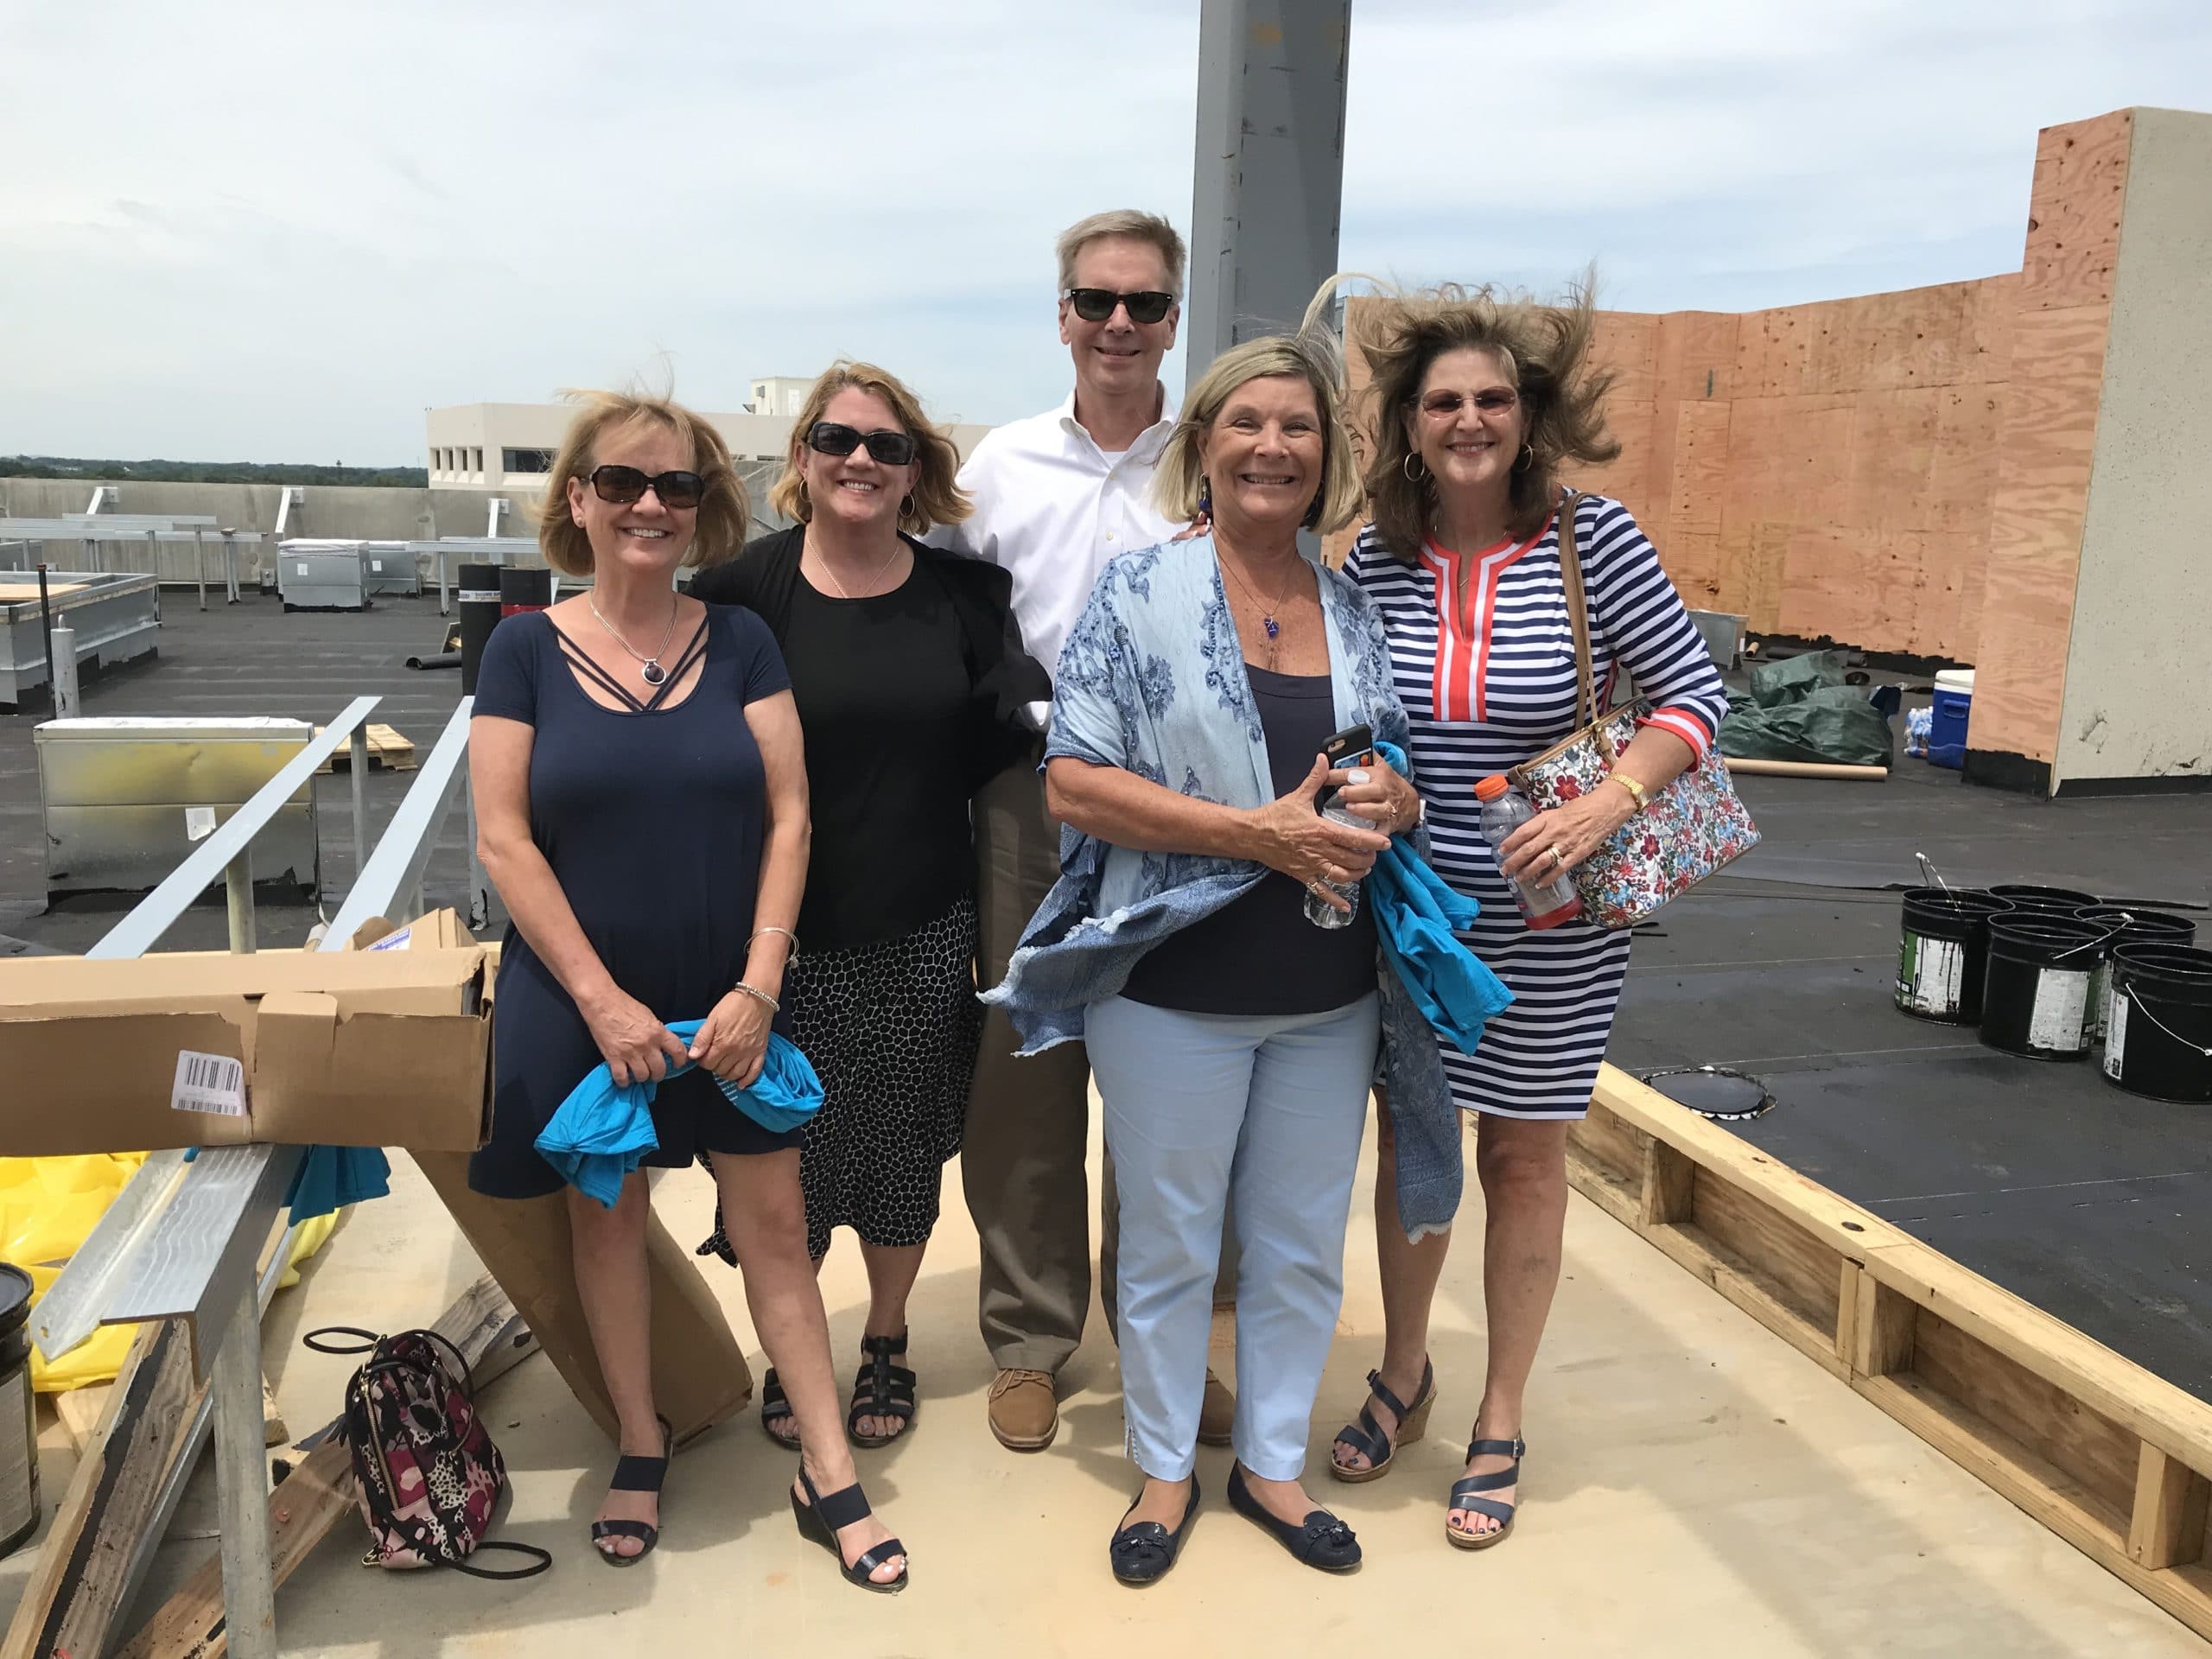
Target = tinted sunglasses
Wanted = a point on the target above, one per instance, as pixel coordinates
(624, 485)
(831, 438)
(1445, 404)
(1096, 304)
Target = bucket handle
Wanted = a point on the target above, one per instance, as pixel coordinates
(2107, 938)
(2136, 1005)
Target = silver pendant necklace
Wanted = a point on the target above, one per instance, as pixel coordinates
(649, 668)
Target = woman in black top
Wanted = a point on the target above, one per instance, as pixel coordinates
(907, 667)
(641, 804)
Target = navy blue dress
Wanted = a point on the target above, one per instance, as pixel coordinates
(653, 820)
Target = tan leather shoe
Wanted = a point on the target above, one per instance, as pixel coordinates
(1216, 1412)
(1024, 1414)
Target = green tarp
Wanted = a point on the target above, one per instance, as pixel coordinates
(1800, 709)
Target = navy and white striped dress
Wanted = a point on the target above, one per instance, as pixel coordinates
(1491, 684)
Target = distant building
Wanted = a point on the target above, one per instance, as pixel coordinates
(511, 446)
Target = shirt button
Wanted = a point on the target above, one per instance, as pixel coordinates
(1109, 538)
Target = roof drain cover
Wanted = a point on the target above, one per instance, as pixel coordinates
(1714, 1091)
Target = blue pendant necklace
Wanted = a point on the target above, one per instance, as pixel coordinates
(1267, 612)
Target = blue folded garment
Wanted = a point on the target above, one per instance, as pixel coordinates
(601, 1133)
(330, 1177)
(1415, 916)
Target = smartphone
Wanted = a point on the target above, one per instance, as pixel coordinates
(1352, 746)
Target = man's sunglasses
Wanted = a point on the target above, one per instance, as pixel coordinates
(625, 485)
(1445, 404)
(1096, 304)
(833, 438)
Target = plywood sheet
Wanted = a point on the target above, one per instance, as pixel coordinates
(2074, 214)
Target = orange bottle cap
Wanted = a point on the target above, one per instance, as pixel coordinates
(1492, 786)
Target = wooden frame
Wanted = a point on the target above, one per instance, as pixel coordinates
(2112, 1460)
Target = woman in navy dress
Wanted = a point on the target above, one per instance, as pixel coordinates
(1478, 402)
(641, 802)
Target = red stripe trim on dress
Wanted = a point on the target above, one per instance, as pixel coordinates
(1459, 681)
(1684, 725)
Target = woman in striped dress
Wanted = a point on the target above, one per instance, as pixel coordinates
(1479, 402)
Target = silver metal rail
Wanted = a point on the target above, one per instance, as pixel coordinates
(181, 1239)
(395, 870)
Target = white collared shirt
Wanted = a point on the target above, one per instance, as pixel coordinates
(1052, 507)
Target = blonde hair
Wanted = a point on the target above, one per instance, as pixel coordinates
(1543, 350)
(724, 512)
(937, 497)
(1123, 222)
(1309, 355)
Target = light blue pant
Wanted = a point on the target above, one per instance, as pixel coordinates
(1198, 1105)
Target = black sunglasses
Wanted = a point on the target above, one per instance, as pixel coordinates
(1096, 304)
(624, 485)
(834, 438)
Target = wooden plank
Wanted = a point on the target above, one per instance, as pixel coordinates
(2073, 212)
(1882, 1325)
(2167, 1526)
(69, 1601)
(1796, 1268)
(318, 1493)
(388, 752)
(273, 1431)
(1668, 1191)
(79, 1411)
(1750, 1289)
(1611, 1143)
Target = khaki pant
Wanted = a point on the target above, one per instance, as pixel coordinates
(1021, 1159)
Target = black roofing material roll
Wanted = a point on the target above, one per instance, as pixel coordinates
(477, 598)
(2159, 1042)
(19, 1505)
(1943, 953)
(2036, 999)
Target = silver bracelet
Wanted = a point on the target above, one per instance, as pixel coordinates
(793, 954)
(759, 995)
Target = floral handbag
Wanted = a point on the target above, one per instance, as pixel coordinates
(1693, 827)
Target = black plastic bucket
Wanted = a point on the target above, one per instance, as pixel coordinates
(1943, 953)
(19, 1510)
(2160, 1040)
(2136, 927)
(2062, 901)
(2036, 999)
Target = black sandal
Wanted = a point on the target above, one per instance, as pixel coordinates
(775, 1407)
(1143, 1553)
(635, 1475)
(819, 1517)
(1366, 1436)
(881, 1389)
(1467, 1494)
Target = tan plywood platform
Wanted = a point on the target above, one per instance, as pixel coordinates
(1696, 1486)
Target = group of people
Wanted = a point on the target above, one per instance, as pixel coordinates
(983, 782)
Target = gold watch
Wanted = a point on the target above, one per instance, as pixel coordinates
(1635, 790)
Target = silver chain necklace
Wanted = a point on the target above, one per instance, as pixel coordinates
(649, 669)
(824, 563)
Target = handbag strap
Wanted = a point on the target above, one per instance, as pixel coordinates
(1578, 613)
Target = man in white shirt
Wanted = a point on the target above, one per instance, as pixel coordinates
(1057, 495)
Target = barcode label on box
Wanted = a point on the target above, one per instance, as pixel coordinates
(394, 941)
(208, 1083)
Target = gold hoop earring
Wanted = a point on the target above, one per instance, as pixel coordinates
(1528, 458)
(906, 506)
(1408, 465)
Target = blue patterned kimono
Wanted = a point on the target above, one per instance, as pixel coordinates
(1153, 681)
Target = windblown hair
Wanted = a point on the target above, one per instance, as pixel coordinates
(1123, 222)
(724, 513)
(1310, 354)
(937, 497)
(1542, 351)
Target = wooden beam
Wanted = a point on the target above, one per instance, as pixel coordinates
(273, 1431)
(319, 1492)
(2167, 1527)
(79, 1411)
(1882, 1328)
(1669, 1189)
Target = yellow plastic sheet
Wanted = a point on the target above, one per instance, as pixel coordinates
(48, 1206)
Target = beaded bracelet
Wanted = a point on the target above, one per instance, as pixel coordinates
(758, 995)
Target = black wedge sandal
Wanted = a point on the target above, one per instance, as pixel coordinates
(775, 1407)
(1366, 1436)
(819, 1517)
(881, 1389)
(1467, 1494)
(635, 1475)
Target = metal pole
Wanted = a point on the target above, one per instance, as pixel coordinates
(230, 568)
(200, 564)
(46, 624)
(237, 895)
(443, 606)
(479, 885)
(359, 751)
(242, 1481)
(61, 667)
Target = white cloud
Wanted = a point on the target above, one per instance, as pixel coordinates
(239, 229)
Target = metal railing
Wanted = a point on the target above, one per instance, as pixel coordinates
(181, 1239)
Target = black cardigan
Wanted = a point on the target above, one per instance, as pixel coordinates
(1003, 678)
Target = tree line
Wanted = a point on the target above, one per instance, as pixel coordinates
(210, 472)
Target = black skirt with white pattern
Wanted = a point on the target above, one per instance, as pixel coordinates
(891, 1030)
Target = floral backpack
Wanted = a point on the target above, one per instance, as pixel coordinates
(425, 1471)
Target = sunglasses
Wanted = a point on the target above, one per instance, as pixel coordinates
(831, 438)
(623, 485)
(1445, 404)
(1096, 304)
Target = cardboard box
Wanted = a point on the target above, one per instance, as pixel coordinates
(441, 930)
(700, 1376)
(339, 1048)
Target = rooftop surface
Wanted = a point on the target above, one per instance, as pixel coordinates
(1693, 1474)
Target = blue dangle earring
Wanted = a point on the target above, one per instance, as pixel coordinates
(1205, 498)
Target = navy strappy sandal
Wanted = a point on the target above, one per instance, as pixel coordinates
(635, 1475)
(1467, 1494)
(819, 1517)
(881, 1389)
(1366, 1436)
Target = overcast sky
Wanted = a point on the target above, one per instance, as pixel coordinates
(239, 231)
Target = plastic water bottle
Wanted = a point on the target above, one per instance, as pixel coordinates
(1544, 902)
(1318, 911)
